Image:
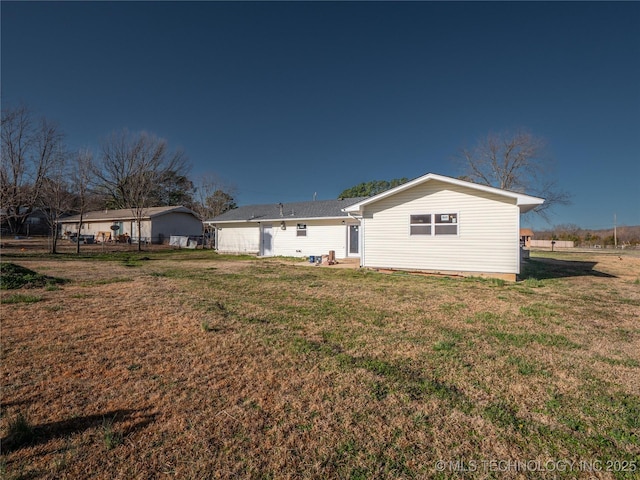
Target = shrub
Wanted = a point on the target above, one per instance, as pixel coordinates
(20, 432)
(14, 276)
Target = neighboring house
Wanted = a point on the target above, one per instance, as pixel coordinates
(157, 224)
(443, 225)
(35, 224)
(301, 229)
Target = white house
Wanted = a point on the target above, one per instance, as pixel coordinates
(289, 229)
(443, 225)
(157, 224)
(433, 224)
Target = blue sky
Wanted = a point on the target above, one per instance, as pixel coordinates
(285, 100)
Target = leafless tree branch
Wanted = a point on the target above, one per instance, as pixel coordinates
(131, 165)
(515, 161)
(30, 150)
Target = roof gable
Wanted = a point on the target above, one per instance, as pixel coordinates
(525, 202)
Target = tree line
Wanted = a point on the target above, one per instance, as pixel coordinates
(130, 170)
(368, 189)
(586, 237)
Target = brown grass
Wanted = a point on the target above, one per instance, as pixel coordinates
(319, 373)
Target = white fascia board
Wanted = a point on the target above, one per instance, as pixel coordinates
(529, 203)
(525, 202)
(214, 222)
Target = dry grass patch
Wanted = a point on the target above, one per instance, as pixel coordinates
(215, 367)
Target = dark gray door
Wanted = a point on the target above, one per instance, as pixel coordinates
(354, 239)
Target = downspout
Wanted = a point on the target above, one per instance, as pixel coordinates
(361, 234)
(519, 263)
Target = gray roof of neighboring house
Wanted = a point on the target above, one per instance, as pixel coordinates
(125, 214)
(296, 210)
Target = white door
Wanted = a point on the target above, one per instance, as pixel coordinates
(267, 240)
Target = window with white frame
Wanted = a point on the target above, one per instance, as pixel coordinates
(445, 223)
(301, 230)
(420, 225)
(434, 224)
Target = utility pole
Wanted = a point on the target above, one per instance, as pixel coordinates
(615, 232)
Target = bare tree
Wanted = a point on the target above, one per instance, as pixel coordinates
(55, 199)
(131, 166)
(513, 161)
(30, 148)
(212, 197)
(81, 179)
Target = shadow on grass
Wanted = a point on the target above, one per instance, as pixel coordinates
(25, 435)
(546, 268)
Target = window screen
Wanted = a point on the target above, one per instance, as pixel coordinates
(446, 224)
(420, 225)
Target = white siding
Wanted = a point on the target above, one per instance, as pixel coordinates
(322, 236)
(239, 238)
(487, 240)
(128, 226)
(145, 228)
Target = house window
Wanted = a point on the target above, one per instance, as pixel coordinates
(301, 230)
(434, 224)
(446, 223)
(420, 225)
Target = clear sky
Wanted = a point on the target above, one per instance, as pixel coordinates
(285, 100)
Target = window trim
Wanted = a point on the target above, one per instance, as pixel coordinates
(415, 224)
(301, 230)
(433, 224)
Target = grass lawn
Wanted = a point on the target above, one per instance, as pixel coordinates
(193, 365)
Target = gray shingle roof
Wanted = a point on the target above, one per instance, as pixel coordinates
(292, 211)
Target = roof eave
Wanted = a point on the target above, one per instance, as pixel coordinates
(99, 219)
(276, 219)
(529, 205)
